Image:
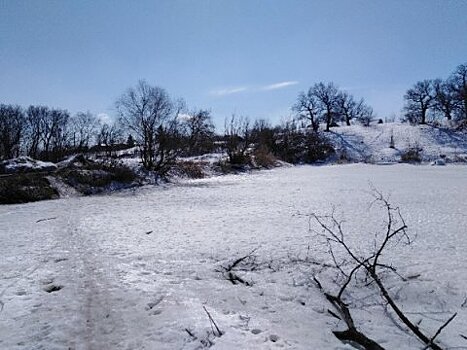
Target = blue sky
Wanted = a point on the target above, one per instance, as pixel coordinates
(247, 57)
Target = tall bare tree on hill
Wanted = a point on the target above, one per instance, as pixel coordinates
(307, 107)
(328, 97)
(419, 99)
(458, 81)
(444, 101)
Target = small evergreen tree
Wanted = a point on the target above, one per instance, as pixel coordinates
(130, 142)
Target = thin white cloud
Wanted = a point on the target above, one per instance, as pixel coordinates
(235, 90)
(281, 85)
(223, 92)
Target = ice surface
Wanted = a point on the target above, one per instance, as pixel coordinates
(133, 270)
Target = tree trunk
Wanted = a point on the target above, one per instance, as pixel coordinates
(423, 121)
(328, 119)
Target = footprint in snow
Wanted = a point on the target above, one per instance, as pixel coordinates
(154, 303)
(52, 288)
(274, 338)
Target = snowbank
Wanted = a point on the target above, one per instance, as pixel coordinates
(25, 164)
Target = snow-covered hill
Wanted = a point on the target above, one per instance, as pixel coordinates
(373, 144)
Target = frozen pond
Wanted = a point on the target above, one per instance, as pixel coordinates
(133, 270)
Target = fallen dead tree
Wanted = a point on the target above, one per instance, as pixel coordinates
(370, 269)
(352, 335)
(246, 262)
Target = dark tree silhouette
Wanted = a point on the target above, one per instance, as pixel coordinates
(307, 107)
(458, 82)
(11, 130)
(418, 100)
(151, 115)
(35, 124)
(237, 139)
(328, 97)
(84, 128)
(200, 132)
(108, 137)
(55, 134)
(444, 100)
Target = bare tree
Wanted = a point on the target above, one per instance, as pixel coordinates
(151, 115)
(11, 130)
(55, 134)
(108, 137)
(307, 107)
(84, 127)
(324, 101)
(364, 113)
(237, 139)
(350, 109)
(35, 122)
(328, 97)
(200, 131)
(418, 100)
(263, 135)
(444, 98)
(47, 132)
(458, 81)
(347, 106)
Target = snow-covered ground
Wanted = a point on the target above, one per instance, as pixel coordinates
(372, 144)
(133, 270)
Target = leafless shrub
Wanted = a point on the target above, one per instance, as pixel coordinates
(412, 155)
(189, 169)
(264, 158)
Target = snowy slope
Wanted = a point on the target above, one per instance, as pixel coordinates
(372, 144)
(134, 270)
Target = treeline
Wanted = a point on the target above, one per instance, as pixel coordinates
(324, 102)
(47, 133)
(164, 131)
(432, 100)
(164, 128)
